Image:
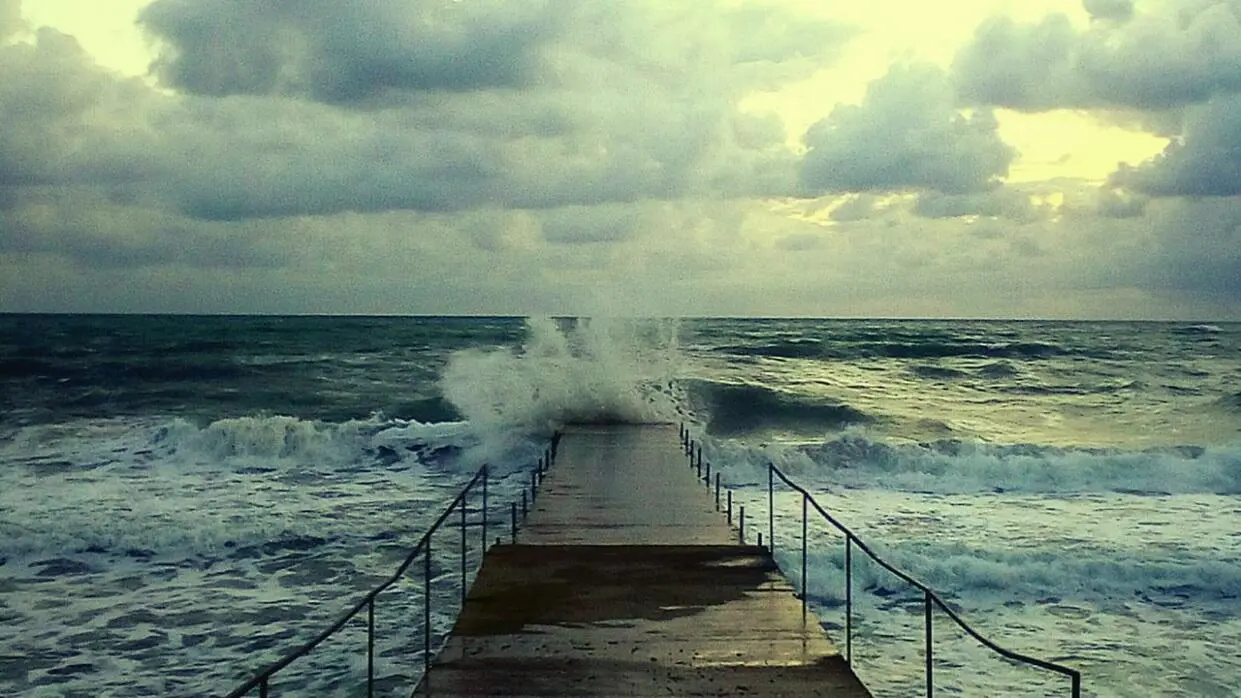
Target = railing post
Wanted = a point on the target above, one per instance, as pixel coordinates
(805, 546)
(513, 516)
(707, 479)
(930, 671)
(849, 600)
(534, 484)
(370, 647)
(463, 549)
(771, 507)
(525, 511)
(730, 507)
(741, 524)
(696, 461)
(426, 612)
(263, 688)
(700, 459)
(717, 490)
(1077, 685)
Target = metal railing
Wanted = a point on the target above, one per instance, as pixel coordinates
(423, 550)
(930, 599)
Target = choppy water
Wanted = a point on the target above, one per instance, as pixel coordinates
(183, 499)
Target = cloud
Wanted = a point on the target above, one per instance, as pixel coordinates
(1168, 56)
(906, 134)
(346, 51)
(856, 207)
(10, 18)
(635, 102)
(57, 114)
(1204, 161)
(1000, 202)
(1118, 10)
(361, 51)
(630, 106)
(589, 224)
(1114, 202)
(80, 226)
(1197, 249)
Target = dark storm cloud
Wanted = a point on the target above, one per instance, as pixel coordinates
(1173, 55)
(75, 224)
(906, 134)
(54, 109)
(622, 125)
(1204, 161)
(345, 51)
(1199, 248)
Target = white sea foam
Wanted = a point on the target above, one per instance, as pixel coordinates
(856, 461)
(598, 370)
(179, 489)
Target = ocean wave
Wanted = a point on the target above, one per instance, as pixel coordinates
(1037, 576)
(815, 349)
(731, 409)
(1202, 329)
(132, 489)
(853, 460)
(271, 437)
(591, 371)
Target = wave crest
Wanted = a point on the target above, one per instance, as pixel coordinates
(953, 467)
(596, 370)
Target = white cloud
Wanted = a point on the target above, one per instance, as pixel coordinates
(906, 133)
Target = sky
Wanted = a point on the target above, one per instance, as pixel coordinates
(1064, 159)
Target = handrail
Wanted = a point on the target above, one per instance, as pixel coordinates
(1073, 674)
(423, 548)
(851, 539)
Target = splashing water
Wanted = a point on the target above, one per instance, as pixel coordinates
(590, 370)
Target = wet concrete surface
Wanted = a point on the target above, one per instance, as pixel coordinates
(627, 582)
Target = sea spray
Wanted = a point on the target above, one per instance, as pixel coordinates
(590, 370)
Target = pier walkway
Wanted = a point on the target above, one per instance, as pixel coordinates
(626, 581)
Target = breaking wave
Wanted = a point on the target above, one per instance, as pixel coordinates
(948, 467)
(597, 370)
(138, 489)
(971, 571)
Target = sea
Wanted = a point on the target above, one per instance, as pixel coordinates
(185, 499)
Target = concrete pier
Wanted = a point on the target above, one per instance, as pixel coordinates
(625, 581)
